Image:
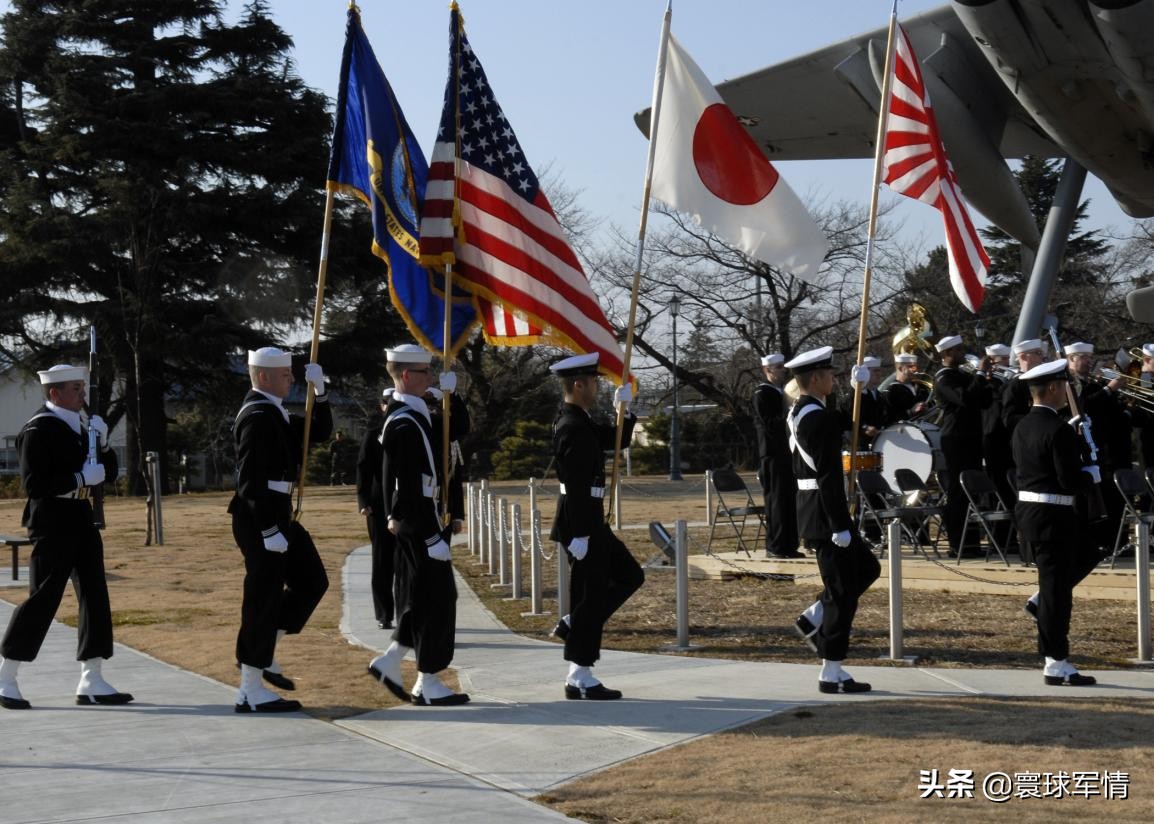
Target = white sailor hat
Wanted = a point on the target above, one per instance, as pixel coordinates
(1045, 372)
(948, 342)
(63, 373)
(388, 392)
(998, 350)
(1148, 350)
(408, 353)
(871, 362)
(820, 358)
(905, 357)
(1079, 348)
(1031, 345)
(269, 356)
(576, 365)
(776, 359)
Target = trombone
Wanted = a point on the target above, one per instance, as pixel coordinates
(1132, 388)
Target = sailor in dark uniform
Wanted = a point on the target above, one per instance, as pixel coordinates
(59, 468)
(1051, 473)
(874, 412)
(905, 397)
(602, 572)
(284, 578)
(847, 567)
(961, 397)
(426, 594)
(370, 503)
(1016, 395)
(776, 475)
(995, 437)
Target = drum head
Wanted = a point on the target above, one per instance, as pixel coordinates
(905, 446)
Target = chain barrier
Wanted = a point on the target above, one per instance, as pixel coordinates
(957, 571)
(540, 540)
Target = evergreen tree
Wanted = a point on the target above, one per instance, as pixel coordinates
(165, 187)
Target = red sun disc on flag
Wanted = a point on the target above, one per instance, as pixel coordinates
(728, 161)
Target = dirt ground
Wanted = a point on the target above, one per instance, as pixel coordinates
(180, 602)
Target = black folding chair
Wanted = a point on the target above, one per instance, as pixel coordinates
(984, 507)
(740, 504)
(873, 488)
(923, 501)
(1137, 494)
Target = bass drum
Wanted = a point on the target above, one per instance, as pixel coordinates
(910, 445)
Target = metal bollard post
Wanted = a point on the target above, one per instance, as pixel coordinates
(482, 491)
(562, 580)
(469, 533)
(515, 551)
(681, 546)
(152, 461)
(502, 545)
(894, 561)
(487, 555)
(1142, 573)
(617, 506)
(709, 497)
(495, 528)
(536, 596)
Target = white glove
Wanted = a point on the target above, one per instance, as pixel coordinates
(276, 542)
(316, 376)
(859, 376)
(623, 395)
(448, 382)
(1075, 421)
(436, 393)
(97, 425)
(440, 552)
(579, 547)
(842, 538)
(1094, 472)
(93, 474)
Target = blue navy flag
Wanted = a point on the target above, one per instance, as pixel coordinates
(371, 161)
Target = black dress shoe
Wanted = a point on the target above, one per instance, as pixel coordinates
(277, 679)
(770, 553)
(108, 700)
(597, 692)
(392, 686)
(849, 685)
(1074, 679)
(384, 624)
(14, 703)
(279, 705)
(1031, 609)
(454, 700)
(806, 630)
(562, 629)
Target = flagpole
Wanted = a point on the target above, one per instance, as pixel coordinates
(879, 154)
(322, 275)
(658, 84)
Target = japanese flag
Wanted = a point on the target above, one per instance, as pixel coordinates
(706, 164)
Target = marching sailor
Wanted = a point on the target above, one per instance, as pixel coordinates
(59, 479)
(847, 567)
(370, 505)
(776, 475)
(284, 578)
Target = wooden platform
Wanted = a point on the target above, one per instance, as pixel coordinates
(973, 575)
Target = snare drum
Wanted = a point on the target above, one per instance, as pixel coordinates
(909, 445)
(861, 461)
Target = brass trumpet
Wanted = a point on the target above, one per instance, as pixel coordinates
(973, 365)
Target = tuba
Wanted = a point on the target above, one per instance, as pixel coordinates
(915, 337)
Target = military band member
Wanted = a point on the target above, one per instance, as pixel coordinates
(847, 567)
(602, 572)
(411, 479)
(961, 396)
(1015, 395)
(776, 475)
(905, 397)
(1145, 421)
(1051, 473)
(284, 577)
(370, 503)
(66, 545)
(995, 437)
(874, 412)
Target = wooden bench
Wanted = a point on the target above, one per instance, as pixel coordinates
(15, 541)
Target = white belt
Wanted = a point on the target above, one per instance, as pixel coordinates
(807, 483)
(283, 487)
(1045, 498)
(594, 491)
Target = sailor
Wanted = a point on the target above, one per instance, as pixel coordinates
(847, 567)
(995, 437)
(1015, 394)
(874, 411)
(961, 397)
(602, 572)
(1051, 473)
(776, 475)
(284, 578)
(58, 477)
(370, 503)
(905, 397)
(426, 594)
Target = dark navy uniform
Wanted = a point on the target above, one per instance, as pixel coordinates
(384, 543)
(776, 475)
(902, 397)
(997, 452)
(608, 574)
(65, 542)
(961, 397)
(281, 589)
(822, 511)
(1048, 454)
(1016, 403)
(426, 594)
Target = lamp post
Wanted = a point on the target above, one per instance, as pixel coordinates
(674, 424)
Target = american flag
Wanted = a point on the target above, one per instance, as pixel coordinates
(486, 214)
(916, 165)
